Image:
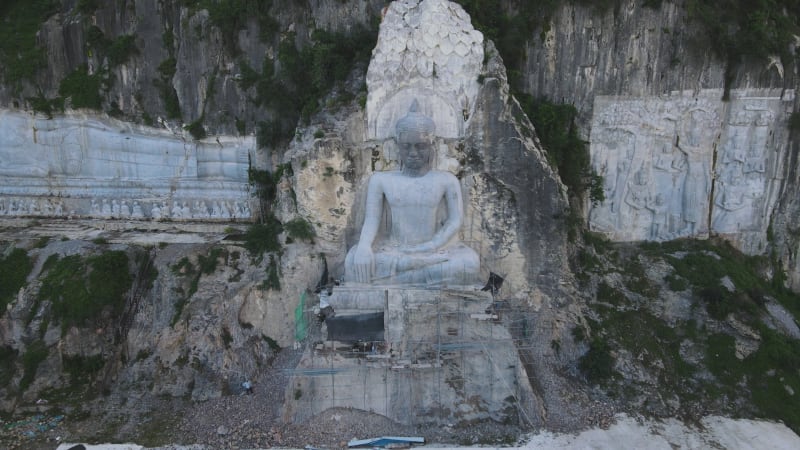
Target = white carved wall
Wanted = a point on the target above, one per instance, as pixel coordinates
(689, 164)
(84, 166)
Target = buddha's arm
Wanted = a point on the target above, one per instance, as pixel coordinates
(363, 259)
(372, 215)
(451, 226)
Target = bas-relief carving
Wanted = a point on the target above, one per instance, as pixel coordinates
(427, 51)
(657, 159)
(79, 167)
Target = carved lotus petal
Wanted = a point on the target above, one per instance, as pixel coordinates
(412, 20)
(446, 47)
(455, 63)
(409, 63)
(429, 52)
(392, 66)
(425, 67)
(461, 49)
(430, 39)
(477, 36)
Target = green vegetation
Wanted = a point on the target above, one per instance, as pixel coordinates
(82, 369)
(227, 339)
(306, 76)
(196, 129)
(708, 262)
(8, 357)
(206, 265)
(262, 238)
(677, 354)
(167, 70)
(83, 89)
(118, 50)
(273, 280)
(81, 288)
(44, 105)
(20, 20)
(231, 16)
(87, 6)
(555, 125)
(34, 354)
(272, 343)
(737, 30)
(597, 365)
(300, 228)
(14, 269)
(794, 124)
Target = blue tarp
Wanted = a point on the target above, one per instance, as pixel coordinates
(386, 441)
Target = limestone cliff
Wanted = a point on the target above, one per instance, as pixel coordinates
(641, 76)
(208, 83)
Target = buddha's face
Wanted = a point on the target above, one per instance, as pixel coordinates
(415, 149)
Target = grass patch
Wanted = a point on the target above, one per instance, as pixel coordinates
(704, 264)
(80, 289)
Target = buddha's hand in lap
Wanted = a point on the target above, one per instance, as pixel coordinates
(425, 247)
(363, 264)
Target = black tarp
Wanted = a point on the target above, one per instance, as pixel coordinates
(356, 328)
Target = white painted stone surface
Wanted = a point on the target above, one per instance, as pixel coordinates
(81, 165)
(429, 51)
(689, 164)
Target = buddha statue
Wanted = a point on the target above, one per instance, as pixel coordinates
(412, 219)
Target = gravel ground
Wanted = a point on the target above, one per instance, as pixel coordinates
(253, 421)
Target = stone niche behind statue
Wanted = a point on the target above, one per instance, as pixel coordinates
(412, 219)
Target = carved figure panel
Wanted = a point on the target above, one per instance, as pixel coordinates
(74, 166)
(662, 157)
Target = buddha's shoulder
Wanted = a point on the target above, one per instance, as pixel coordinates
(437, 176)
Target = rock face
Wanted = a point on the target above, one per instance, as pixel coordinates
(87, 166)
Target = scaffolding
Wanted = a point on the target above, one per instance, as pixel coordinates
(456, 347)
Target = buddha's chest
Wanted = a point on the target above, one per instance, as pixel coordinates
(409, 193)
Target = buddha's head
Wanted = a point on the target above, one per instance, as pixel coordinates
(415, 134)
